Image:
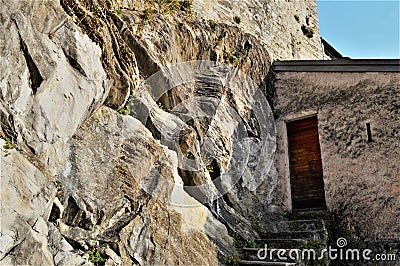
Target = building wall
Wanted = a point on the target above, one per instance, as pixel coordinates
(277, 23)
(361, 178)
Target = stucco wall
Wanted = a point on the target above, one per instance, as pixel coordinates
(362, 179)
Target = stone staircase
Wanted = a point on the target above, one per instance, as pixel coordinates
(301, 231)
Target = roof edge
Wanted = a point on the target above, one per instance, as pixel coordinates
(338, 65)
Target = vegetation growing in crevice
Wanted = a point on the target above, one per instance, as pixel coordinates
(209, 168)
(232, 59)
(118, 11)
(165, 7)
(11, 145)
(214, 169)
(161, 106)
(126, 109)
(58, 184)
(95, 257)
(336, 227)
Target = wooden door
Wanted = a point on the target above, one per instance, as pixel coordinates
(307, 183)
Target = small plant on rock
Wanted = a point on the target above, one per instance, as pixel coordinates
(232, 59)
(118, 11)
(125, 110)
(11, 145)
(95, 256)
(161, 106)
(59, 183)
(210, 168)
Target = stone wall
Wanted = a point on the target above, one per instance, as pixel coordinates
(361, 178)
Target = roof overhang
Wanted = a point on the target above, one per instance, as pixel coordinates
(338, 65)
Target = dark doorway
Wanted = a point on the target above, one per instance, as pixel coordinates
(307, 183)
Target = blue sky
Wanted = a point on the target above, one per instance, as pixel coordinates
(361, 29)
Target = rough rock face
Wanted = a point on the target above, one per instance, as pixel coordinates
(26, 198)
(49, 84)
(103, 201)
(288, 28)
(163, 38)
(93, 182)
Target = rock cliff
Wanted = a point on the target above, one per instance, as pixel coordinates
(114, 151)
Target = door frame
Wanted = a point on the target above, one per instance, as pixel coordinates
(292, 118)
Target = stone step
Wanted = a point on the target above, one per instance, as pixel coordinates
(270, 263)
(300, 225)
(277, 243)
(308, 215)
(306, 235)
